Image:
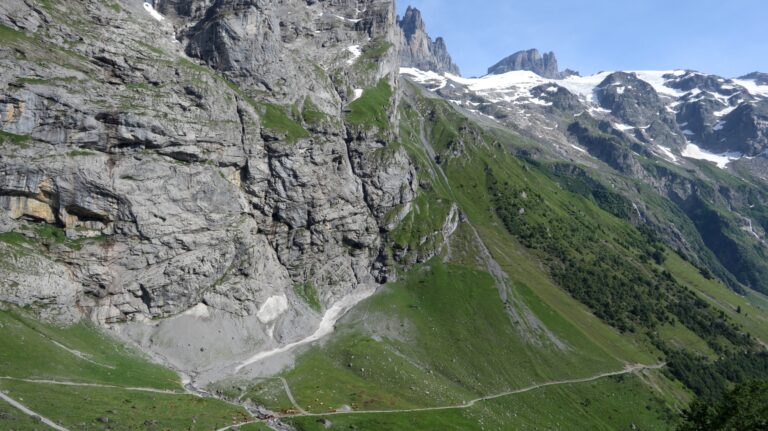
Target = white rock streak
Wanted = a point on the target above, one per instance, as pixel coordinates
(151, 10)
(356, 52)
(326, 326)
(272, 308)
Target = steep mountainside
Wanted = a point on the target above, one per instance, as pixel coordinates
(301, 209)
(216, 173)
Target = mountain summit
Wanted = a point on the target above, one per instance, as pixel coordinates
(417, 48)
(531, 60)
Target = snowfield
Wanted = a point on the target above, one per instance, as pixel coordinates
(753, 87)
(515, 88)
(155, 14)
(517, 84)
(693, 151)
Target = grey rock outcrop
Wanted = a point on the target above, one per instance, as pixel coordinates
(417, 48)
(720, 116)
(531, 60)
(201, 160)
(636, 103)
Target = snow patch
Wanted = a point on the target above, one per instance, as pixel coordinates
(425, 77)
(353, 21)
(579, 148)
(151, 10)
(667, 152)
(622, 127)
(693, 151)
(753, 87)
(598, 110)
(657, 80)
(358, 93)
(200, 311)
(725, 111)
(356, 52)
(584, 86)
(272, 308)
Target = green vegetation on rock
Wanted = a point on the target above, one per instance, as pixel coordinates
(308, 293)
(372, 108)
(13, 139)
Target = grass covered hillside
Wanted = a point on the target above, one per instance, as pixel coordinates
(82, 379)
(546, 280)
(526, 297)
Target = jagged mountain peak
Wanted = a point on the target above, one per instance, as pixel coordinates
(531, 60)
(418, 50)
(412, 22)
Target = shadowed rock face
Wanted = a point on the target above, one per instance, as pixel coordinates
(417, 48)
(531, 60)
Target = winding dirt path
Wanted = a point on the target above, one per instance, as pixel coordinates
(93, 385)
(630, 369)
(29, 412)
(290, 397)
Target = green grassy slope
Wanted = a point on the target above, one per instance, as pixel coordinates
(31, 351)
(599, 405)
(443, 334)
(750, 310)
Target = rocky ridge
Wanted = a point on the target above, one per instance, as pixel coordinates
(531, 60)
(417, 48)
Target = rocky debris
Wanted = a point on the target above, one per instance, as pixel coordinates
(545, 66)
(417, 48)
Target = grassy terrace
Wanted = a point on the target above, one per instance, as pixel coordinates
(603, 405)
(82, 354)
(372, 108)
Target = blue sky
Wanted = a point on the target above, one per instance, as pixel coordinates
(724, 37)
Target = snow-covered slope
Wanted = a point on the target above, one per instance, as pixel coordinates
(675, 113)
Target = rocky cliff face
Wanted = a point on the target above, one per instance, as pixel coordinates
(545, 66)
(200, 161)
(417, 48)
